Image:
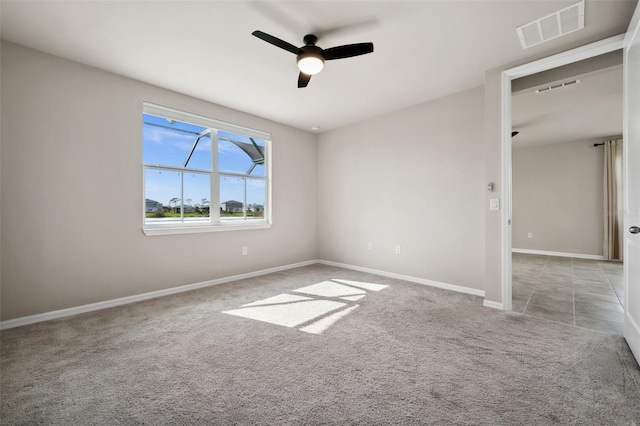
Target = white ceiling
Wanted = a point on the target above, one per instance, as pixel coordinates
(589, 110)
(423, 49)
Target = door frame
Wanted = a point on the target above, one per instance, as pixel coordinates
(631, 327)
(574, 55)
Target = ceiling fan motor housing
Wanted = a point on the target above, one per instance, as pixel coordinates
(310, 40)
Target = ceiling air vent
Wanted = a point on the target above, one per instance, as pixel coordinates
(557, 86)
(552, 26)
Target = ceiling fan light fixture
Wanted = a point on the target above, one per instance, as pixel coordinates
(310, 57)
(310, 63)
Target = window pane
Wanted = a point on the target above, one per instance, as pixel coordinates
(162, 195)
(168, 142)
(178, 160)
(201, 157)
(240, 154)
(258, 170)
(231, 198)
(255, 198)
(197, 187)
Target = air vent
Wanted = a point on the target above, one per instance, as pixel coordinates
(557, 86)
(552, 26)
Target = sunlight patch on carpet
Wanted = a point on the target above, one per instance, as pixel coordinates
(322, 324)
(281, 298)
(330, 289)
(290, 314)
(353, 298)
(366, 286)
(312, 314)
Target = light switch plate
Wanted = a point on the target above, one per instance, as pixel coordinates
(494, 204)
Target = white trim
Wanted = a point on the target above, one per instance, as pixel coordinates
(559, 254)
(631, 327)
(493, 305)
(31, 319)
(446, 286)
(570, 56)
(214, 184)
(632, 334)
(635, 24)
(163, 111)
(150, 230)
(268, 201)
(574, 55)
(506, 195)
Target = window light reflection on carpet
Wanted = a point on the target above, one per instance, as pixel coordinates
(313, 314)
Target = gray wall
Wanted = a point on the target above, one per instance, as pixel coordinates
(558, 197)
(72, 191)
(412, 178)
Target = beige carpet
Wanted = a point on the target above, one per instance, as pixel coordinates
(301, 347)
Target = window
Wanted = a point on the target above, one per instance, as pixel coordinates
(201, 174)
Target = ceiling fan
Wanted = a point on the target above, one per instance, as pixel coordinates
(311, 57)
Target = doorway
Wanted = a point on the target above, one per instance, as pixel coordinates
(595, 49)
(562, 120)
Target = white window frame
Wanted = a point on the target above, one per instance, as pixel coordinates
(214, 224)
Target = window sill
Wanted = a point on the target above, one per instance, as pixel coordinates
(200, 228)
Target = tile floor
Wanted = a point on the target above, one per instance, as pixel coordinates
(580, 292)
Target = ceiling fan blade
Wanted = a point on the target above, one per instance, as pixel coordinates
(276, 42)
(347, 51)
(303, 80)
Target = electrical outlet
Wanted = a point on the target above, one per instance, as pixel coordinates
(530, 235)
(244, 251)
(370, 246)
(398, 251)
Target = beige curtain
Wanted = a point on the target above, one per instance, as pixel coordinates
(613, 199)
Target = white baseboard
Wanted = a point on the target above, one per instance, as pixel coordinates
(559, 254)
(459, 289)
(632, 335)
(494, 305)
(31, 319)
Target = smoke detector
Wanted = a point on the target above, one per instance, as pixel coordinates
(552, 26)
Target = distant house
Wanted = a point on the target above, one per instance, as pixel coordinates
(152, 206)
(258, 208)
(231, 206)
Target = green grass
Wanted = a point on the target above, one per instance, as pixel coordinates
(170, 214)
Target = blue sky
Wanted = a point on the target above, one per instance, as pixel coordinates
(170, 146)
